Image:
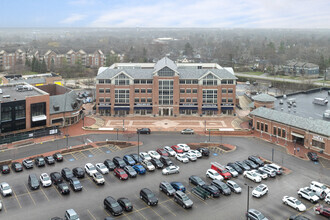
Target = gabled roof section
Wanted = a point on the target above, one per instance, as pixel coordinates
(133, 73)
(165, 62)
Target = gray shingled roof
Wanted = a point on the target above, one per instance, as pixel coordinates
(64, 100)
(314, 125)
(165, 62)
(263, 98)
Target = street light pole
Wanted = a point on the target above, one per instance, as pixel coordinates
(205, 126)
(117, 134)
(138, 147)
(248, 201)
(209, 135)
(123, 125)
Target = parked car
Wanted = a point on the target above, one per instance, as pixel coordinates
(170, 151)
(17, 167)
(0, 205)
(162, 152)
(148, 197)
(66, 173)
(322, 210)
(70, 214)
(196, 152)
(185, 147)
(319, 187)
(178, 186)
(56, 178)
(275, 167)
(221, 170)
(125, 204)
(45, 180)
(170, 170)
(130, 171)
(252, 176)
(63, 188)
(27, 163)
(256, 160)
(182, 158)
(39, 161)
(75, 184)
(5, 169)
(5, 189)
(196, 180)
(234, 187)
(129, 160)
(260, 191)
(327, 199)
(119, 162)
(102, 168)
(139, 169)
(145, 156)
(167, 188)
(154, 154)
(254, 214)
(242, 165)
(109, 164)
(49, 160)
(182, 199)
(137, 158)
(143, 131)
(312, 156)
(263, 176)
(148, 165)
(157, 163)
(166, 161)
(78, 172)
(269, 172)
(33, 182)
(187, 131)
(235, 167)
(98, 178)
(90, 169)
(298, 217)
(204, 151)
(120, 173)
(113, 206)
(308, 195)
(213, 190)
(251, 164)
(294, 203)
(58, 157)
(232, 171)
(214, 175)
(224, 189)
(320, 193)
(177, 149)
(190, 156)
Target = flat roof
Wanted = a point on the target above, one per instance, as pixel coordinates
(313, 125)
(15, 95)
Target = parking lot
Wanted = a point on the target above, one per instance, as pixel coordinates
(45, 203)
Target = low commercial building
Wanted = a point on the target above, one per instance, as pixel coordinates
(305, 132)
(34, 80)
(28, 111)
(165, 88)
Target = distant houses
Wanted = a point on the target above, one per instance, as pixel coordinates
(297, 68)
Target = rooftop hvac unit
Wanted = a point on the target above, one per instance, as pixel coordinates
(56, 107)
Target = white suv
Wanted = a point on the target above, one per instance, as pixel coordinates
(148, 165)
(303, 193)
(183, 158)
(45, 180)
(102, 168)
(184, 147)
(260, 190)
(319, 187)
(90, 169)
(327, 199)
(98, 178)
(252, 176)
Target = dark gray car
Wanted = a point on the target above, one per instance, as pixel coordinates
(224, 189)
(182, 199)
(167, 188)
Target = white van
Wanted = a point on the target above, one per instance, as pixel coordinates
(327, 199)
(320, 101)
(319, 187)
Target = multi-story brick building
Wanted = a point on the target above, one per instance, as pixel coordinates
(9, 58)
(165, 88)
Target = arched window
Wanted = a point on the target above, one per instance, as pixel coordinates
(166, 72)
(210, 80)
(121, 79)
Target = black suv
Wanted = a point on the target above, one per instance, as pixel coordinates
(204, 151)
(136, 158)
(78, 172)
(130, 171)
(109, 164)
(148, 196)
(113, 206)
(49, 160)
(251, 164)
(5, 169)
(235, 167)
(33, 182)
(56, 177)
(119, 162)
(39, 161)
(166, 161)
(242, 165)
(157, 163)
(17, 166)
(224, 189)
(213, 190)
(66, 173)
(75, 184)
(63, 188)
(125, 204)
(312, 156)
(196, 180)
(167, 188)
(143, 131)
(256, 160)
(58, 157)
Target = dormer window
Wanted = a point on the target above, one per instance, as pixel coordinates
(122, 79)
(210, 80)
(166, 72)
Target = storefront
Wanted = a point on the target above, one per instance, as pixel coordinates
(121, 111)
(318, 142)
(188, 109)
(142, 110)
(105, 110)
(210, 110)
(227, 110)
(298, 138)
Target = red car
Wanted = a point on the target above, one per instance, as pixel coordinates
(120, 173)
(321, 210)
(162, 152)
(177, 149)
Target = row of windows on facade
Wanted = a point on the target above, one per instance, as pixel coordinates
(149, 100)
(279, 132)
(101, 90)
(208, 82)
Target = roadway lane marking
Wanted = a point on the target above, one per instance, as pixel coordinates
(91, 214)
(168, 209)
(44, 193)
(30, 195)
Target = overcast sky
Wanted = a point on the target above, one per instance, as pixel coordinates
(169, 13)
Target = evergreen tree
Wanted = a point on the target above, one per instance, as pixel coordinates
(33, 64)
(188, 50)
(43, 66)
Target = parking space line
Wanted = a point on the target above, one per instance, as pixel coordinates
(179, 206)
(91, 214)
(17, 198)
(97, 151)
(198, 197)
(56, 190)
(30, 195)
(168, 209)
(157, 213)
(141, 214)
(323, 165)
(44, 193)
(126, 216)
(3, 204)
